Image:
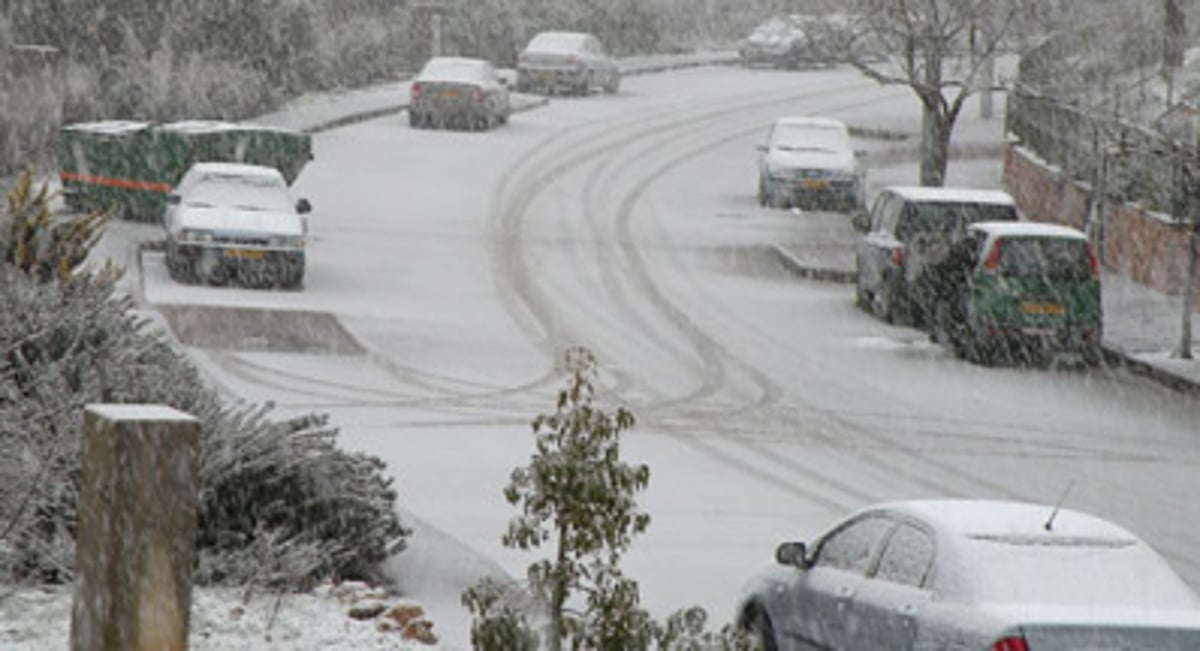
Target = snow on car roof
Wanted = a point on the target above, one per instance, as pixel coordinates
(236, 169)
(458, 69)
(960, 195)
(1028, 229)
(1016, 522)
(557, 41)
(811, 122)
(215, 126)
(110, 127)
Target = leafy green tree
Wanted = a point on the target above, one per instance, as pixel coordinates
(577, 495)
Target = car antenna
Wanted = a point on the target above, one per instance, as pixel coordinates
(1049, 526)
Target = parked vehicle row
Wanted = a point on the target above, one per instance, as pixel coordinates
(967, 575)
(960, 264)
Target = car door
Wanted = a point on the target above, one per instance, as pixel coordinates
(820, 597)
(875, 248)
(889, 604)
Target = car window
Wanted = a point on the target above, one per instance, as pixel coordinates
(888, 214)
(1050, 258)
(948, 218)
(907, 558)
(853, 546)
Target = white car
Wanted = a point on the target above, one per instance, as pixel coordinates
(810, 161)
(959, 575)
(573, 62)
(231, 221)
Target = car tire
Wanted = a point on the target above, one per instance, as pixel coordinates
(759, 629)
(613, 85)
(763, 199)
(414, 120)
(883, 303)
(862, 297)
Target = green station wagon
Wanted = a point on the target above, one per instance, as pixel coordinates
(1020, 292)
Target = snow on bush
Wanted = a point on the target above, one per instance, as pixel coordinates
(280, 503)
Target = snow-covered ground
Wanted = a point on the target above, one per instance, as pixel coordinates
(768, 407)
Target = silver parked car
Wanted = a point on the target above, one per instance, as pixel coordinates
(810, 161)
(458, 92)
(971, 575)
(231, 221)
(571, 62)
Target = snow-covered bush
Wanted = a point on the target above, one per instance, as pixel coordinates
(275, 490)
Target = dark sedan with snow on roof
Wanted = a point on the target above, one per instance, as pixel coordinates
(971, 575)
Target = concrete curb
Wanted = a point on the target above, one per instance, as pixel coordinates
(1117, 358)
(801, 270)
(363, 116)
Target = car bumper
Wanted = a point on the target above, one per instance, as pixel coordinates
(216, 262)
(1042, 339)
(821, 192)
(550, 78)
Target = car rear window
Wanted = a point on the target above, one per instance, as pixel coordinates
(1054, 570)
(949, 218)
(1044, 257)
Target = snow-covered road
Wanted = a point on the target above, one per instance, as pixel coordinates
(465, 262)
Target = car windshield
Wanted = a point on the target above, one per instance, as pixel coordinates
(1044, 257)
(242, 192)
(949, 218)
(1055, 570)
(811, 138)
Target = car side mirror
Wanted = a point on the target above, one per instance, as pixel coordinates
(173, 199)
(303, 206)
(860, 153)
(792, 554)
(861, 221)
(762, 148)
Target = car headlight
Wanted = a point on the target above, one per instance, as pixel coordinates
(287, 241)
(195, 235)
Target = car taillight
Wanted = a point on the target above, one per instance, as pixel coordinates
(416, 91)
(898, 256)
(992, 261)
(1010, 643)
(477, 95)
(1093, 267)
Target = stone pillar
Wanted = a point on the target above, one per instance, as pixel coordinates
(137, 518)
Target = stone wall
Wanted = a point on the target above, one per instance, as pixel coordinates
(1148, 247)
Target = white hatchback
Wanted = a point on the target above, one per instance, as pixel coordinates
(231, 221)
(810, 161)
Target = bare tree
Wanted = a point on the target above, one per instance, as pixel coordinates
(938, 48)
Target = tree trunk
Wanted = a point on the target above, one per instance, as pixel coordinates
(1189, 289)
(935, 146)
(558, 595)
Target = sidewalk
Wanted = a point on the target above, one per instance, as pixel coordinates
(317, 112)
(1142, 327)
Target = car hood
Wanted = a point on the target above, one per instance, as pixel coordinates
(239, 219)
(834, 161)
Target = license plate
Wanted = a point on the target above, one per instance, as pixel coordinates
(244, 254)
(1048, 309)
(448, 93)
(814, 184)
(545, 75)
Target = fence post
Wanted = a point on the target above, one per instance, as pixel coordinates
(137, 518)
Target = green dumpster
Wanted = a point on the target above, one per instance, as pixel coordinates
(131, 166)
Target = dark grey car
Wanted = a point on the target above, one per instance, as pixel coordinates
(458, 92)
(959, 575)
(567, 62)
(910, 230)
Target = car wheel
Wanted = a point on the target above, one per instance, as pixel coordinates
(862, 297)
(613, 85)
(414, 120)
(760, 630)
(884, 303)
(762, 192)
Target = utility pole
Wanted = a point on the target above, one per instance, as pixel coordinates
(1189, 281)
